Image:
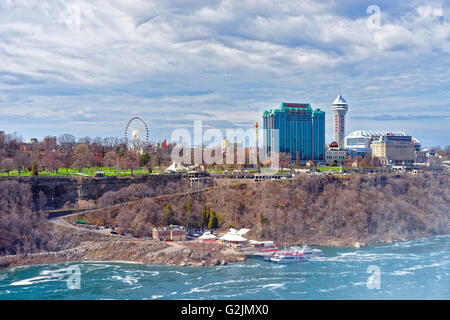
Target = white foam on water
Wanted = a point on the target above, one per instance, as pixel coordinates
(239, 265)
(196, 290)
(401, 273)
(299, 292)
(94, 267)
(35, 280)
(44, 276)
(360, 284)
(127, 279)
(156, 297)
(333, 289)
(54, 272)
(179, 272)
(436, 264)
(130, 288)
(365, 257)
(152, 273)
(214, 284)
(270, 279)
(273, 286)
(5, 292)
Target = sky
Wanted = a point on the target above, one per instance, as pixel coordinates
(87, 67)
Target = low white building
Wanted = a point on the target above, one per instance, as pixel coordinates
(234, 237)
(262, 244)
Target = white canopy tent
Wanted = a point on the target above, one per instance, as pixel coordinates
(233, 237)
(175, 167)
(243, 231)
(207, 236)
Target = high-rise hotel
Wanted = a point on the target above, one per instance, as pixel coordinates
(297, 129)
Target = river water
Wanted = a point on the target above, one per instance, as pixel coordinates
(418, 269)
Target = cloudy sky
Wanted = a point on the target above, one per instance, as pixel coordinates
(86, 67)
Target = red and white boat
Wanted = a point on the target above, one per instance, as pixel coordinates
(295, 254)
(307, 251)
(287, 256)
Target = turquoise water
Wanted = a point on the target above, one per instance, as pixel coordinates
(416, 269)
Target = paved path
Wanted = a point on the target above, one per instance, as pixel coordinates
(133, 201)
(63, 223)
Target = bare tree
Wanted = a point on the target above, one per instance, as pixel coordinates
(285, 159)
(130, 161)
(110, 159)
(82, 157)
(375, 162)
(8, 164)
(66, 142)
(21, 230)
(22, 160)
(85, 140)
(52, 161)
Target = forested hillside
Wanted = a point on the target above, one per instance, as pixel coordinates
(316, 209)
(21, 230)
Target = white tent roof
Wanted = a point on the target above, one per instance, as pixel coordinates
(176, 167)
(231, 236)
(207, 236)
(243, 231)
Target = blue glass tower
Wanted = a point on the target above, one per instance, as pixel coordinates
(295, 129)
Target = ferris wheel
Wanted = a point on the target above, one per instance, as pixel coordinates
(136, 134)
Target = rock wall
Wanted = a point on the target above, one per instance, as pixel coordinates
(50, 193)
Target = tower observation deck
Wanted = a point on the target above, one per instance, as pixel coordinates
(339, 109)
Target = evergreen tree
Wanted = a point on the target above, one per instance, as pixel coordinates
(187, 217)
(263, 220)
(205, 216)
(168, 215)
(213, 221)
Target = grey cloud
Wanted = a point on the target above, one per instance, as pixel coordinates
(172, 61)
(388, 117)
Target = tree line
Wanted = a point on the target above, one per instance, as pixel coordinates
(67, 152)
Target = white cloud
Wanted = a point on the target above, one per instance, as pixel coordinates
(219, 57)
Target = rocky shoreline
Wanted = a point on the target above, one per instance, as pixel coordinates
(85, 245)
(129, 251)
(77, 244)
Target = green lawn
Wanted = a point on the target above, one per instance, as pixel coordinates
(75, 172)
(329, 168)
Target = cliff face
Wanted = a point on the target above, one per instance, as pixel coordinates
(339, 210)
(332, 211)
(50, 193)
